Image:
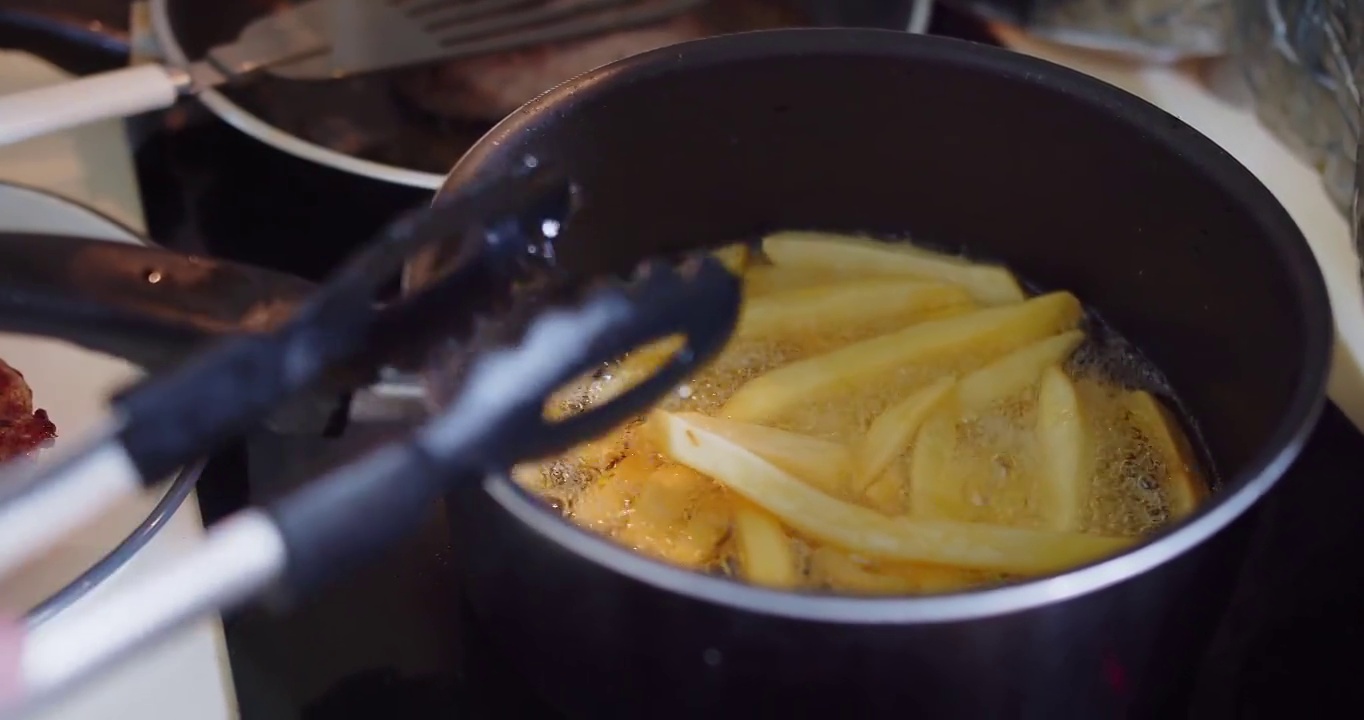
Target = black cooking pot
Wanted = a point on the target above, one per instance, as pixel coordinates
(1074, 184)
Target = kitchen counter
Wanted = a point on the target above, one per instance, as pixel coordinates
(186, 677)
(1184, 91)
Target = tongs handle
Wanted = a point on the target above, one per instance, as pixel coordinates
(498, 418)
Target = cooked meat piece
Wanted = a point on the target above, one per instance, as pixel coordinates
(491, 86)
(22, 429)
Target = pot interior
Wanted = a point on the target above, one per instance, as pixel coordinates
(1071, 183)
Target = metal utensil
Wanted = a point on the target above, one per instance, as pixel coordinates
(344, 517)
(324, 39)
(369, 36)
(289, 34)
(338, 333)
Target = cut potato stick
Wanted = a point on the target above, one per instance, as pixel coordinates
(735, 258)
(840, 571)
(826, 465)
(891, 432)
(867, 532)
(1184, 485)
(657, 523)
(989, 284)
(1068, 453)
(765, 554)
(934, 490)
(703, 532)
(1016, 371)
(833, 308)
(837, 571)
(762, 280)
(862, 366)
(604, 505)
(887, 493)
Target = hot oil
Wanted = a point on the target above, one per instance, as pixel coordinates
(622, 487)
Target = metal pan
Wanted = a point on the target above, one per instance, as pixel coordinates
(369, 126)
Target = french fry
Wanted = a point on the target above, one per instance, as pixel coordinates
(867, 532)
(1068, 453)
(604, 505)
(698, 541)
(935, 491)
(892, 430)
(991, 285)
(735, 257)
(840, 571)
(657, 520)
(765, 554)
(834, 308)
(761, 280)
(1016, 371)
(826, 465)
(863, 365)
(637, 366)
(887, 493)
(1184, 487)
(938, 487)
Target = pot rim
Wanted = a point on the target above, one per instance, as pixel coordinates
(238, 117)
(1239, 493)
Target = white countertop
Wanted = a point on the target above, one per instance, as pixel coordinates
(187, 677)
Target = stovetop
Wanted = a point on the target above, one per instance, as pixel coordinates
(395, 640)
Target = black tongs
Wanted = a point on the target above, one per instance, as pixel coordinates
(495, 420)
(320, 344)
(337, 337)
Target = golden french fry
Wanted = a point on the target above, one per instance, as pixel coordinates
(892, 430)
(842, 572)
(765, 553)
(734, 257)
(658, 516)
(839, 572)
(991, 285)
(763, 280)
(1068, 453)
(887, 493)
(834, 308)
(604, 505)
(697, 542)
(864, 365)
(1184, 485)
(1016, 371)
(636, 367)
(867, 532)
(935, 492)
(826, 465)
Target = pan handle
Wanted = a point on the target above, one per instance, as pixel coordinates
(150, 306)
(108, 95)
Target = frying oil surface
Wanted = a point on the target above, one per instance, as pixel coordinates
(885, 421)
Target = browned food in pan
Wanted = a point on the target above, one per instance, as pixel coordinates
(23, 430)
